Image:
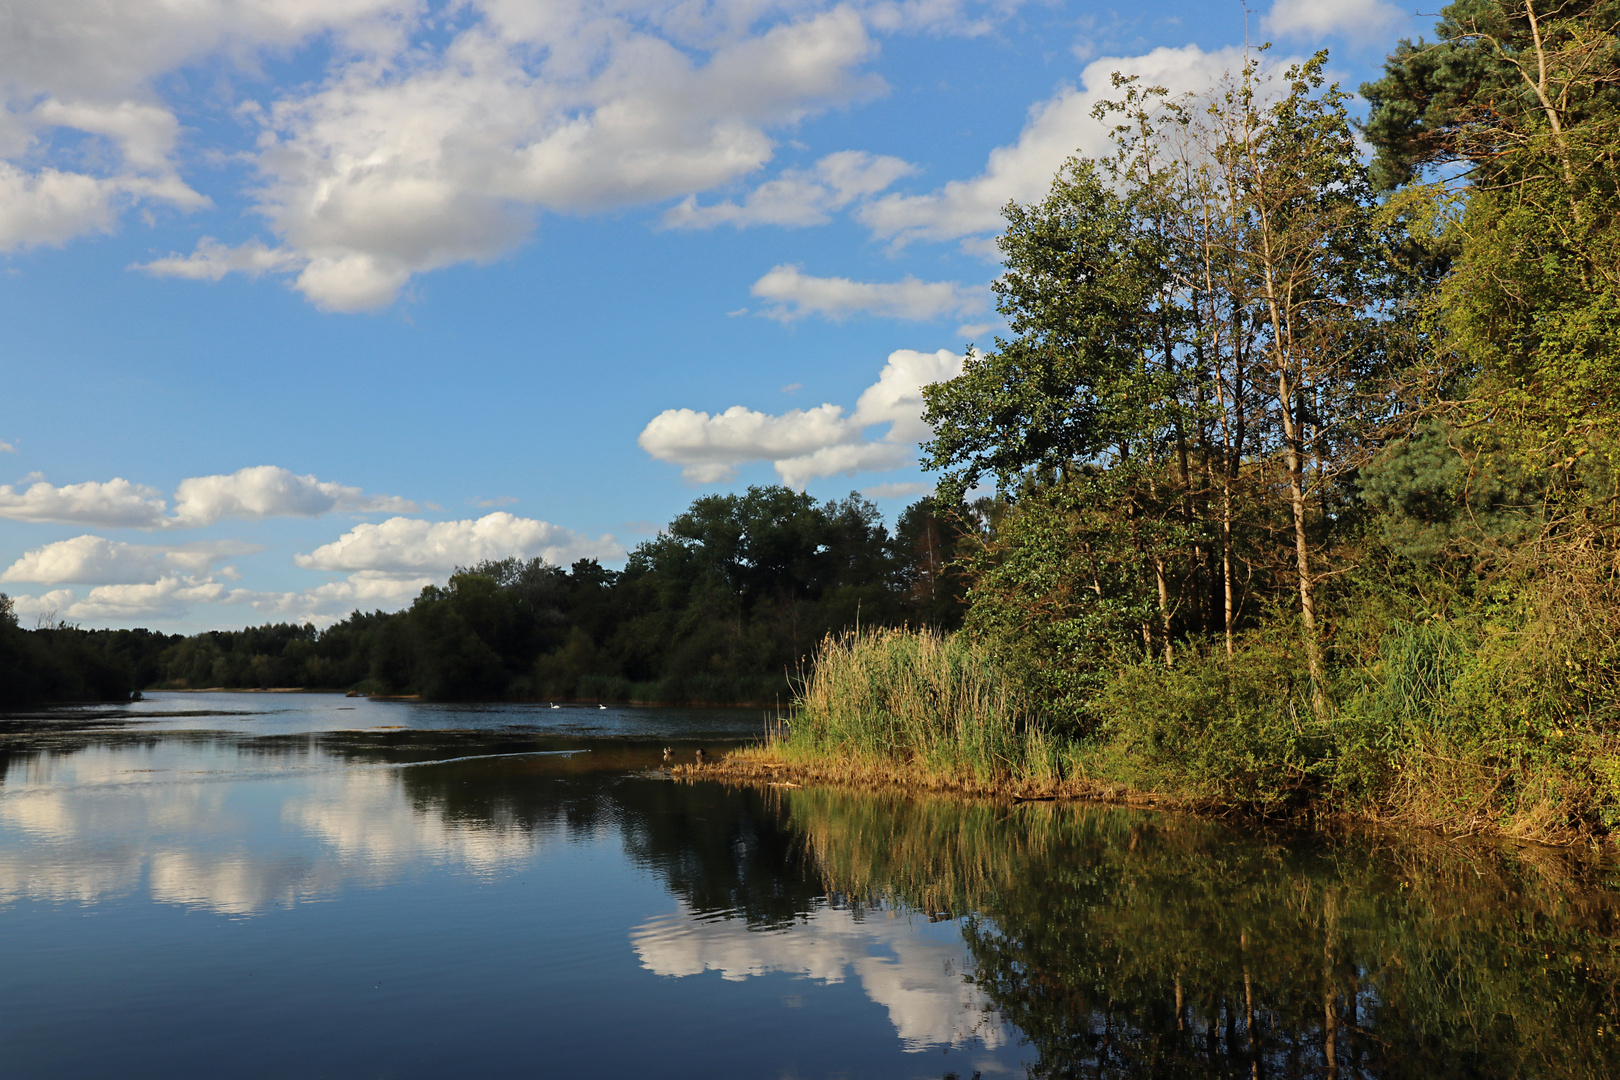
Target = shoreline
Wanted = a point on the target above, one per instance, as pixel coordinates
(761, 766)
(578, 702)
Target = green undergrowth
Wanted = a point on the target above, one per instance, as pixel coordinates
(1502, 720)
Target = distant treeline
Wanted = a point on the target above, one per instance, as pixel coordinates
(64, 663)
(721, 607)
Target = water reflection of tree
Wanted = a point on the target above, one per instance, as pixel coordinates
(1124, 944)
(721, 851)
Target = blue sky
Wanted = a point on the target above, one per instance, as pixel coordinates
(309, 301)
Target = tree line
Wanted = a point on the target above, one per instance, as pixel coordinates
(721, 607)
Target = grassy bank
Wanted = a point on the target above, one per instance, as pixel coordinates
(927, 711)
(1461, 726)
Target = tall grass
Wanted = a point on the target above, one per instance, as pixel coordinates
(1500, 723)
(918, 699)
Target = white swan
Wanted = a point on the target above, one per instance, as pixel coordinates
(554, 705)
(601, 706)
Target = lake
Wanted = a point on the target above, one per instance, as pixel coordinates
(299, 885)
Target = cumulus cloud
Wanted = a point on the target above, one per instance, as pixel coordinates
(364, 590)
(112, 504)
(798, 197)
(1057, 129)
(250, 494)
(163, 593)
(403, 545)
(90, 68)
(212, 260)
(386, 565)
(171, 596)
(438, 129)
(7, 448)
(1359, 20)
(803, 444)
(264, 491)
(418, 160)
(99, 561)
(797, 294)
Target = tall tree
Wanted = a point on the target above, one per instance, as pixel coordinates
(1521, 100)
(1195, 319)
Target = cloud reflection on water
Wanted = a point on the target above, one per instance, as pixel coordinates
(366, 819)
(96, 822)
(921, 980)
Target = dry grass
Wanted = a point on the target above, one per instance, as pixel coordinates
(774, 764)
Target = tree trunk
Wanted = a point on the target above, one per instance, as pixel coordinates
(1164, 611)
(1302, 545)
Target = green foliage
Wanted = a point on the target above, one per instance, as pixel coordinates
(920, 699)
(65, 663)
(1438, 493)
(1054, 593)
(1528, 96)
(1080, 379)
(1235, 729)
(716, 609)
(1481, 91)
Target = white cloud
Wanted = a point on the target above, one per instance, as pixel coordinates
(803, 444)
(1359, 20)
(90, 67)
(112, 504)
(171, 596)
(7, 448)
(390, 563)
(921, 982)
(1057, 129)
(417, 160)
(212, 260)
(253, 493)
(47, 606)
(438, 128)
(50, 206)
(387, 564)
(798, 197)
(797, 294)
(364, 590)
(410, 545)
(264, 491)
(98, 561)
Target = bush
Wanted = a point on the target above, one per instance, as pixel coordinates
(1237, 729)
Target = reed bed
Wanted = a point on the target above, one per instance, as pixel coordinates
(916, 706)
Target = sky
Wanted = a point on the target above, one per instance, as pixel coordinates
(308, 302)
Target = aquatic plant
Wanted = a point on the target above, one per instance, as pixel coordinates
(920, 699)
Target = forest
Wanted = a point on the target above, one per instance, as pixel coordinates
(722, 607)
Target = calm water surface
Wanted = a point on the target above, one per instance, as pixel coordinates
(308, 885)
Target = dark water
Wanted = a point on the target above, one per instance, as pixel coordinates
(304, 886)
